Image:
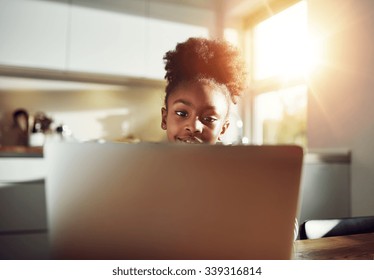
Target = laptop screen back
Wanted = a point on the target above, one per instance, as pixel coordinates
(163, 201)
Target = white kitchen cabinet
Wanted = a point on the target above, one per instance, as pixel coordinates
(172, 23)
(126, 38)
(108, 37)
(27, 246)
(131, 37)
(23, 221)
(23, 215)
(33, 33)
(22, 207)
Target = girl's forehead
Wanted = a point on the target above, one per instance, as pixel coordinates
(199, 94)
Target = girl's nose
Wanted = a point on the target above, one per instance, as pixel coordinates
(194, 125)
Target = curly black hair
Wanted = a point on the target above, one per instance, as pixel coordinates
(200, 58)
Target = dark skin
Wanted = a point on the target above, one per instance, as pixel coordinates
(204, 77)
(196, 113)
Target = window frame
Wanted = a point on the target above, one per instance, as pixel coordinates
(259, 87)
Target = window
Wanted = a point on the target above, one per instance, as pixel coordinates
(277, 52)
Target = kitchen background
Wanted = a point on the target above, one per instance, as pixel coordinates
(91, 112)
(119, 42)
(114, 50)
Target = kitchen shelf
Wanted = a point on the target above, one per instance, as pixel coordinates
(21, 151)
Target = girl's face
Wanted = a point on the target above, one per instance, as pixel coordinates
(195, 114)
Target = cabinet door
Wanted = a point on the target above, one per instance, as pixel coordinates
(23, 221)
(325, 191)
(170, 24)
(108, 37)
(22, 207)
(33, 33)
(26, 246)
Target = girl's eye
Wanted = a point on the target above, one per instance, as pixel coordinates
(210, 119)
(181, 113)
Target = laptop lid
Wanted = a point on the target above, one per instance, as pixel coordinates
(170, 201)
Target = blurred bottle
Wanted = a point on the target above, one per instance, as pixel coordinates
(64, 133)
(40, 128)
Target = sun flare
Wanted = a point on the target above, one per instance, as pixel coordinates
(283, 46)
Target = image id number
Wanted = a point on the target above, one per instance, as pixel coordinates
(233, 271)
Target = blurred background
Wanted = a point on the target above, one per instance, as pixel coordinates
(92, 70)
(96, 66)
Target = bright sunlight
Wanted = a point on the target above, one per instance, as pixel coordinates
(282, 46)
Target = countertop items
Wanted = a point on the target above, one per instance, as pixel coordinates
(22, 129)
(15, 130)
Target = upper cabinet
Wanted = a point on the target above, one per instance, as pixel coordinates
(33, 33)
(170, 24)
(126, 38)
(108, 37)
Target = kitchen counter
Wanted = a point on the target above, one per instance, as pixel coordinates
(21, 151)
(315, 156)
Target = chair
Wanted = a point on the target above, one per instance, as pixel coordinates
(312, 229)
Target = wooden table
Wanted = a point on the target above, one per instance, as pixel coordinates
(348, 247)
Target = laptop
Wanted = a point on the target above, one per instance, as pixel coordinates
(171, 201)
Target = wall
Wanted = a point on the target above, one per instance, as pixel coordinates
(340, 112)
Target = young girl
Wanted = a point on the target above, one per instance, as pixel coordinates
(204, 78)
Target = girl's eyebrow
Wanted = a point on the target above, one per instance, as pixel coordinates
(183, 102)
(187, 103)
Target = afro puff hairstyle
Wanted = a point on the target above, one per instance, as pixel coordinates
(200, 58)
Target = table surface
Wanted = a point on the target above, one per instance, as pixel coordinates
(347, 247)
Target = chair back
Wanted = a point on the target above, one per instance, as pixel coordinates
(312, 229)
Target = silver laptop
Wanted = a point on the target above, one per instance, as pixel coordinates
(170, 201)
